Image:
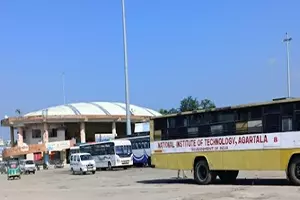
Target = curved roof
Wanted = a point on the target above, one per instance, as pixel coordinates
(94, 108)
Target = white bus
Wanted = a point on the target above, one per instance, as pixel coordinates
(73, 150)
(141, 150)
(110, 154)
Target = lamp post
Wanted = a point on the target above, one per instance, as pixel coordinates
(287, 40)
(128, 123)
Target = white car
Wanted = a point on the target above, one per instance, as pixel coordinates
(27, 166)
(82, 163)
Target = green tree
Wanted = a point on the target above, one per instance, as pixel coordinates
(207, 104)
(163, 111)
(173, 111)
(189, 104)
(166, 112)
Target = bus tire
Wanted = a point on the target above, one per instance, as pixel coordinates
(202, 174)
(109, 166)
(228, 176)
(294, 171)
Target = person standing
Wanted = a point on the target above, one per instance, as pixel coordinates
(183, 174)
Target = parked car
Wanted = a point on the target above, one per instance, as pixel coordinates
(28, 166)
(82, 163)
(58, 164)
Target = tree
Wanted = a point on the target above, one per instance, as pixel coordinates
(166, 112)
(18, 112)
(163, 111)
(173, 111)
(207, 104)
(189, 104)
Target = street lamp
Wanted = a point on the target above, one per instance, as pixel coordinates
(128, 123)
(287, 40)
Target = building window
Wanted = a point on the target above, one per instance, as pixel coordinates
(36, 133)
(53, 133)
(287, 124)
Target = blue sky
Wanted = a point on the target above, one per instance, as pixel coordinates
(228, 51)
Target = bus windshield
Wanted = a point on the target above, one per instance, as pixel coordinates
(123, 151)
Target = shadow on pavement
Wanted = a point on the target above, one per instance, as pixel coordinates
(256, 182)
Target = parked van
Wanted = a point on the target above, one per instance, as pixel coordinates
(82, 163)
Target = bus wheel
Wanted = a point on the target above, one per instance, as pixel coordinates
(109, 166)
(228, 176)
(294, 171)
(149, 162)
(202, 174)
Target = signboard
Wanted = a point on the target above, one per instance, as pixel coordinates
(58, 146)
(227, 143)
(141, 127)
(104, 137)
(23, 150)
(24, 147)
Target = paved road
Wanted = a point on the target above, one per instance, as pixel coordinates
(145, 184)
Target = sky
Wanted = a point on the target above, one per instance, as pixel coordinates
(228, 51)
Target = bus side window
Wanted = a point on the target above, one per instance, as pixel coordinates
(139, 145)
(145, 145)
(133, 144)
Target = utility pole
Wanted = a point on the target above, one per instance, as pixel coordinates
(128, 123)
(287, 41)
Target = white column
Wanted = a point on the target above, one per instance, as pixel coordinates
(12, 136)
(82, 132)
(45, 134)
(114, 129)
(20, 136)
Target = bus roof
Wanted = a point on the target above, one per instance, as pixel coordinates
(116, 142)
(133, 137)
(274, 101)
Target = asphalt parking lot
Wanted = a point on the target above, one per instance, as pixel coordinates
(142, 183)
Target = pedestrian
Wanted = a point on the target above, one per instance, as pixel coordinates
(183, 174)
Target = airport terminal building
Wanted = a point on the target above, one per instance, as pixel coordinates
(55, 129)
